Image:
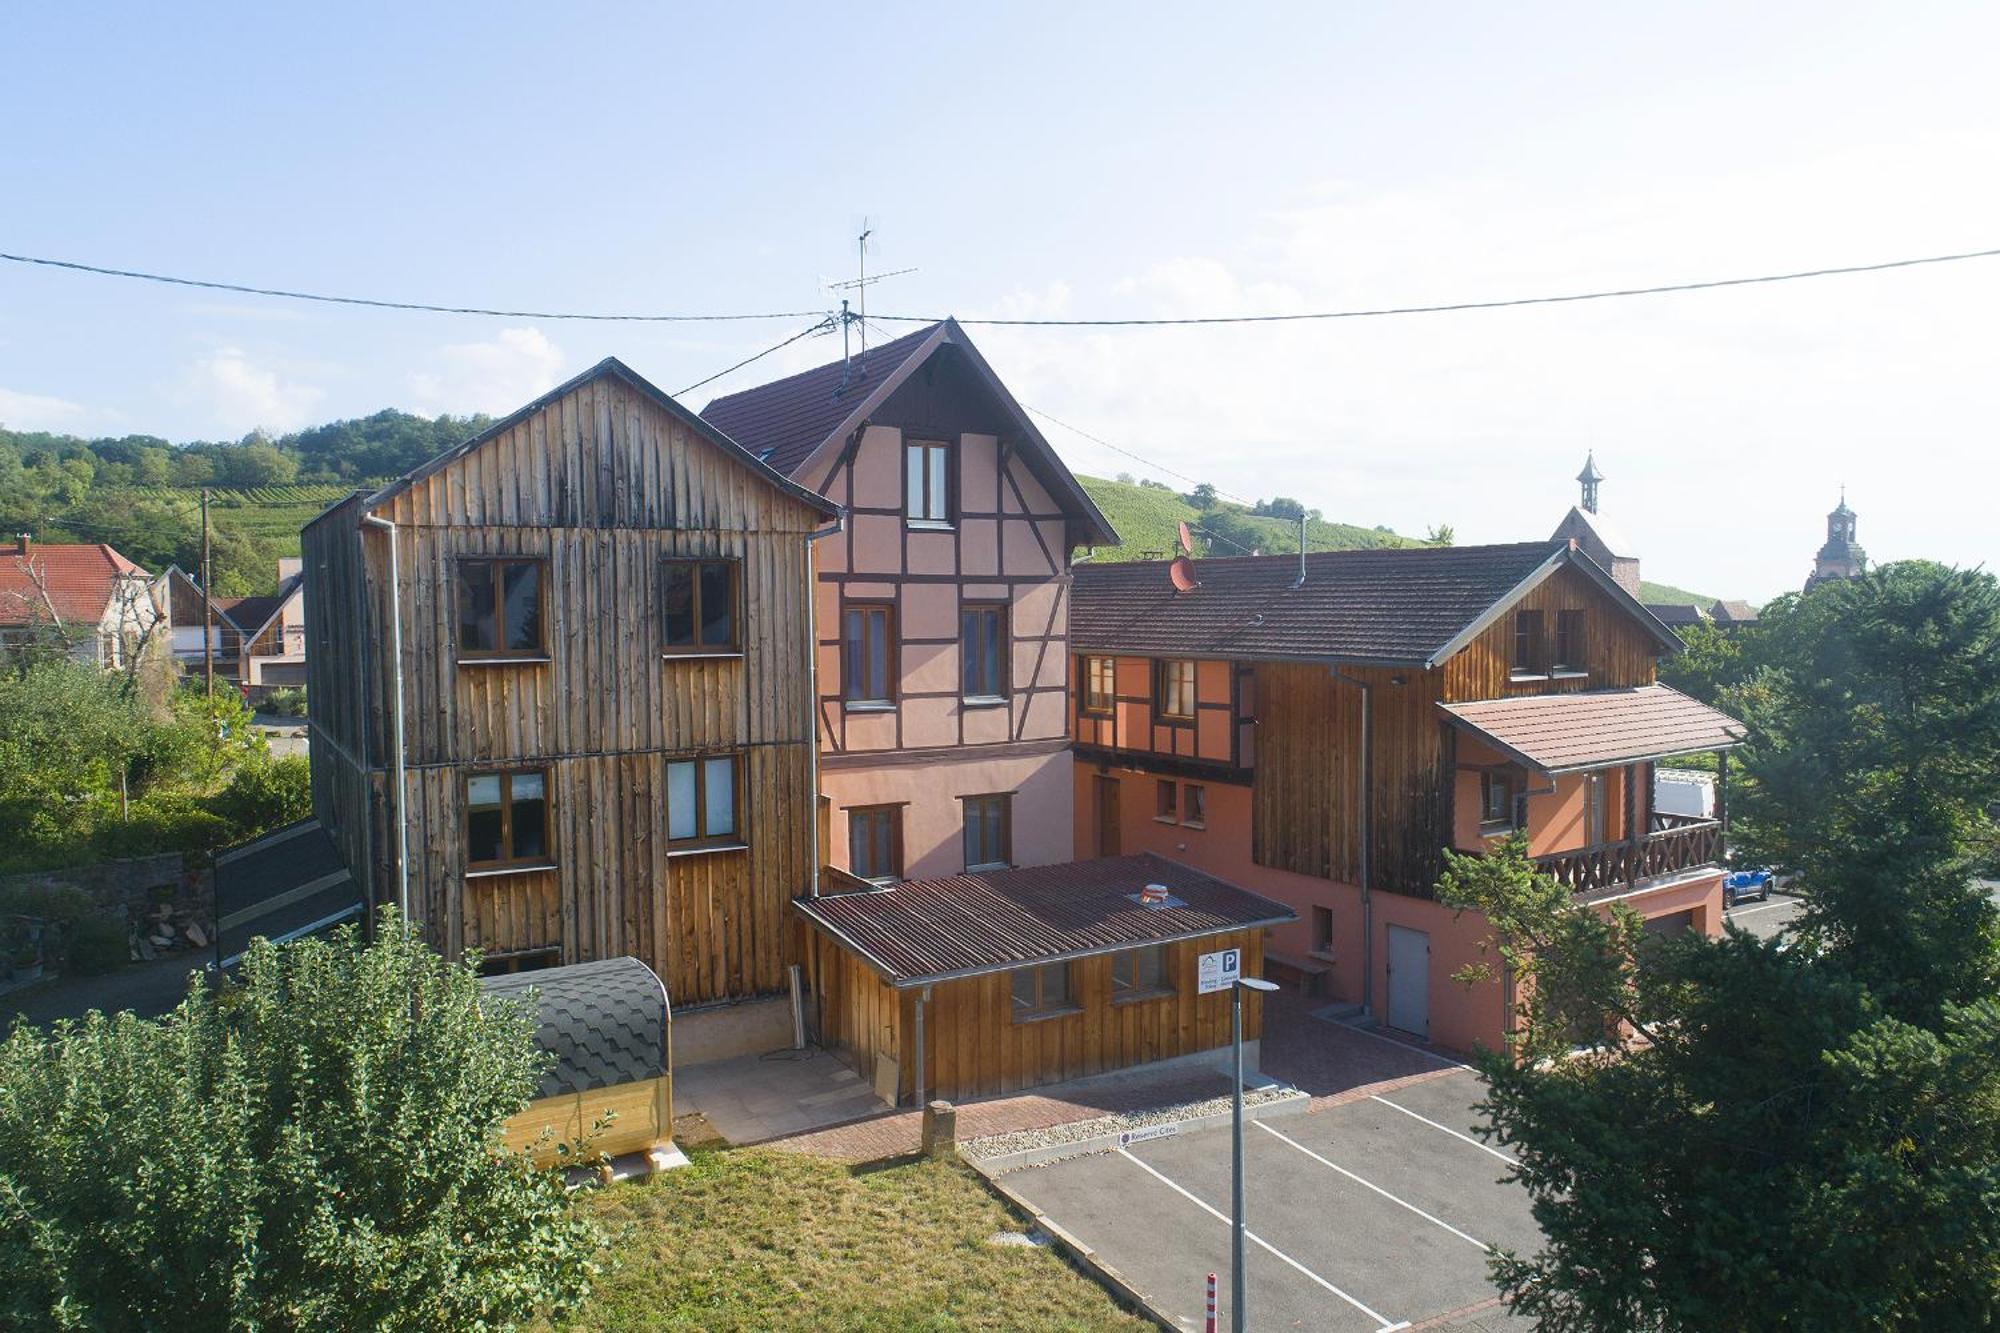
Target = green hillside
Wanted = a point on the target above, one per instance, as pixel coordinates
(1667, 592)
(275, 513)
(1148, 518)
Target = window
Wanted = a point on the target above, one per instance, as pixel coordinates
(1173, 688)
(1166, 803)
(865, 650)
(701, 801)
(875, 841)
(927, 477)
(1099, 684)
(1528, 643)
(1139, 974)
(1322, 937)
(499, 608)
(1496, 802)
(988, 837)
(698, 606)
(1042, 992)
(1194, 805)
(1570, 644)
(506, 820)
(982, 646)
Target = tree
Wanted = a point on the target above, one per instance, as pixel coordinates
(1441, 535)
(1874, 754)
(1711, 661)
(1806, 1133)
(313, 1147)
(1203, 497)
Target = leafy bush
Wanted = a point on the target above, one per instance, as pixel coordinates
(316, 1148)
(265, 794)
(287, 702)
(95, 946)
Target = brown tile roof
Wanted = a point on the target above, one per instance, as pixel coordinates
(81, 581)
(250, 614)
(1731, 611)
(1402, 606)
(785, 420)
(1677, 613)
(991, 921)
(1560, 733)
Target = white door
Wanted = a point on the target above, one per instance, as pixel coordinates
(1410, 981)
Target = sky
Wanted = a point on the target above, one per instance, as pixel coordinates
(1163, 160)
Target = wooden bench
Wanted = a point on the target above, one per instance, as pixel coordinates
(1308, 974)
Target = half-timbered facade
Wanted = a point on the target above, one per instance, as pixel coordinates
(560, 682)
(942, 607)
(1319, 731)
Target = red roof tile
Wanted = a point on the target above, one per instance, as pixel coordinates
(1560, 733)
(991, 921)
(81, 580)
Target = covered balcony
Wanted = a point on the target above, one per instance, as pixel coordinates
(1575, 773)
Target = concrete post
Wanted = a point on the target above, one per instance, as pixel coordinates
(940, 1137)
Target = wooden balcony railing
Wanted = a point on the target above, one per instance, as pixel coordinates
(1679, 843)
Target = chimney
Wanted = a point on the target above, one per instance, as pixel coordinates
(21, 544)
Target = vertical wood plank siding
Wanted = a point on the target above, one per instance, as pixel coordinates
(602, 485)
(1617, 651)
(976, 1049)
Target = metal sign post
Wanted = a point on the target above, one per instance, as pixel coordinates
(1237, 1318)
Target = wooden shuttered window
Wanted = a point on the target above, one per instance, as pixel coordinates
(500, 608)
(507, 820)
(701, 606)
(702, 800)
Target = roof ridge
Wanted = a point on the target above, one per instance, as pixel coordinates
(822, 366)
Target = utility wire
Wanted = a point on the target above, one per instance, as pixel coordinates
(1456, 305)
(1034, 323)
(824, 326)
(398, 305)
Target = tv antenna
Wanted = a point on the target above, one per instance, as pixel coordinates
(859, 286)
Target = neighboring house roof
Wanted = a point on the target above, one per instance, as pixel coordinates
(926, 930)
(288, 883)
(1677, 614)
(253, 615)
(1579, 519)
(82, 581)
(605, 1022)
(1734, 612)
(1411, 606)
(794, 420)
(1560, 733)
(610, 367)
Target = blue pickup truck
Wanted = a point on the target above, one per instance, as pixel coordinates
(1739, 885)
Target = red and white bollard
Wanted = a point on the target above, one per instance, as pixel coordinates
(1209, 1325)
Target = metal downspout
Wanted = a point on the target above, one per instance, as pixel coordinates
(812, 690)
(1367, 838)
(396, 655)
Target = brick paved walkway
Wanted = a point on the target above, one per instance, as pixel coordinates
(1330, 1062)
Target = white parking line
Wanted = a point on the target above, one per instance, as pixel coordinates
(1487, 1148)
(1387, 1326)
(1403, 1203)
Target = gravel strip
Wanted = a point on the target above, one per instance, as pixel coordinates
(1076, 1131)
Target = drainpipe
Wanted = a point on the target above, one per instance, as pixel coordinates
(812, 688)
(1367, 839)
(917, 1091)
(396, 656)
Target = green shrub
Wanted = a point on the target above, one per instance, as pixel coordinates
(287, 702)
(95, 946)
(314, 1149)
(263, 795)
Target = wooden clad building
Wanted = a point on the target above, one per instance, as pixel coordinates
(583, 638)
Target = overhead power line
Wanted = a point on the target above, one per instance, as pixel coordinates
(248, 290)
(824, 326)
(1381, 311)
(1370, 313)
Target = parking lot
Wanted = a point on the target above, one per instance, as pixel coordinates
(1371, 1215)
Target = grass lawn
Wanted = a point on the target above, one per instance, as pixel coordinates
(742, 1239)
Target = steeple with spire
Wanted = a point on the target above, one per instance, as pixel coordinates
(1590, 476)
(1841, 557)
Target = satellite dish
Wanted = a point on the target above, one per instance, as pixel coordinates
(1181, 571)
(1187, 540)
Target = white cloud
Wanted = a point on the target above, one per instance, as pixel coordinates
(241, 395)
(36, 411)
(495, 376)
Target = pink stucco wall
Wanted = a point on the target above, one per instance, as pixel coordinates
(932, 822)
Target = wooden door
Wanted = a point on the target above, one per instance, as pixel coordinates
(1108, 841)
(1410, 981)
